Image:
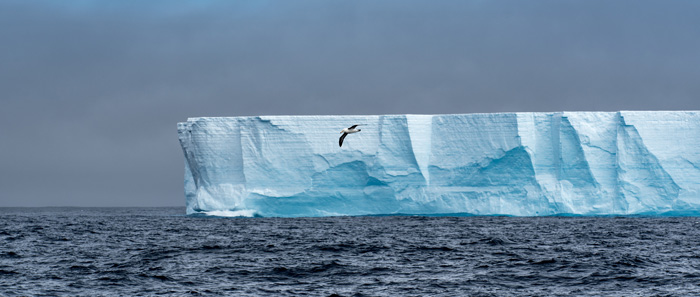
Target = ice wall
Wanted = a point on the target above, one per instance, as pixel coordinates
(524, 164)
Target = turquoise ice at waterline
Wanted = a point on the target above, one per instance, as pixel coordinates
(521, 164)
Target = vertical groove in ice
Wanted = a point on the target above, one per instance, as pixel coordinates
(420, 130)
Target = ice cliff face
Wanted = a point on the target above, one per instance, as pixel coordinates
(524, 164)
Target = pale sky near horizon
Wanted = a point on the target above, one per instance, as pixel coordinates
(91, 90)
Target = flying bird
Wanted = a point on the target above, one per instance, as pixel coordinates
(347, 131)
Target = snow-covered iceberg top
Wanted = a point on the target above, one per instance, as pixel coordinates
(523, 164)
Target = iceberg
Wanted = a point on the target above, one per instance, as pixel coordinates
(519, 164)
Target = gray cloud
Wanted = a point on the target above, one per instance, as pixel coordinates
(91, 90)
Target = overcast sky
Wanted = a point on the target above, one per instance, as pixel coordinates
(91, 91)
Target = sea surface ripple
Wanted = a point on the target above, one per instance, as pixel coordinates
(160, 251)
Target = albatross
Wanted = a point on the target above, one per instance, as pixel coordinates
(347, 131)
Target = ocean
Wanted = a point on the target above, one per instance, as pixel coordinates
(161, 251)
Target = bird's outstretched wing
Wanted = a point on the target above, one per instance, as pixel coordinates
(353, 127)
(341, 139)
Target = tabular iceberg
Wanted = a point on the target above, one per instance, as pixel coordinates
(522, 164)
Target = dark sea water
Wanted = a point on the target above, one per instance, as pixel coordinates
(159, 251)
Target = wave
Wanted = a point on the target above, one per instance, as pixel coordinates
(246, 213)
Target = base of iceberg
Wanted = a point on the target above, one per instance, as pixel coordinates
(521, 164)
